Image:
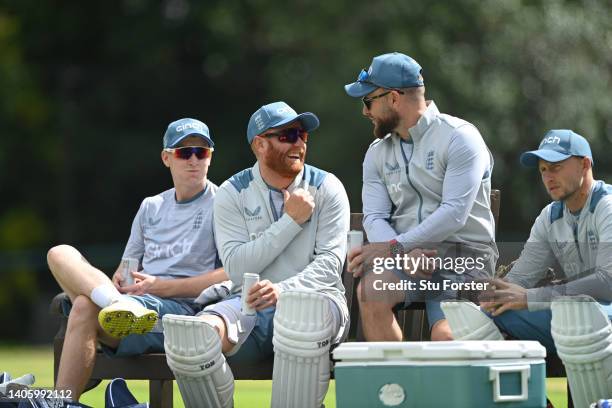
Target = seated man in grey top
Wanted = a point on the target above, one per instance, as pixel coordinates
(426, 181)
(172, 242)
(573, 232)
(285, 222)
(572, 235)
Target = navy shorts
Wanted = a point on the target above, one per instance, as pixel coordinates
(534, 325)
(258, 345)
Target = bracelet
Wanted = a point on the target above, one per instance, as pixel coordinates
(396, 248)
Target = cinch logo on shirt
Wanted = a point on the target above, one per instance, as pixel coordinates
(394, 188)
(169, 250)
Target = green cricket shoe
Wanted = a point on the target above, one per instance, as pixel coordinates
(123, 318)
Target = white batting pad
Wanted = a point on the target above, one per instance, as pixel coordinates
(193, 352)
(303, 331)
(583, 338)
(468, 322)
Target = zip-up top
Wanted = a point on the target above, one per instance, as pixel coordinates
(252, 236)
(580, 243)
(435, 187)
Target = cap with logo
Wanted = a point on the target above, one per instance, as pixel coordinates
(180, 129)
(558, 145)
(278, 114)
(391, 71)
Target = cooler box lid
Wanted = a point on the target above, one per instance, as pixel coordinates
(438, 350)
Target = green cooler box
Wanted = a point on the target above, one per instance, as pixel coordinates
(460, 374)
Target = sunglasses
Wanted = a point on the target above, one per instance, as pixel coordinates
(367, 102)
(363, 76)
(289, 135)
(186, 152)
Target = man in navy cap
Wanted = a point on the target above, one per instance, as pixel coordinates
(426, 181)
(172, 248)
(286, 222)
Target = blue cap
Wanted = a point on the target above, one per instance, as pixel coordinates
(180, 129)
(558, 145)
(391, 71)
(278, 114)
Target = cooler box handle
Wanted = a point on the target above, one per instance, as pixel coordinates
(494, 372)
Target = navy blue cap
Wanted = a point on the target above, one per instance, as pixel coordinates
(558, 145)
(278, 114)
(391, 71)
(180, 129)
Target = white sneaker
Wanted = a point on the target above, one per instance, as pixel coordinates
(126, 317)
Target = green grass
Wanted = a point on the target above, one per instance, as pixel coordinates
(19, 360)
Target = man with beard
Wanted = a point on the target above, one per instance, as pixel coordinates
(426, 180)
(286, 222)
(575, 231)
(573, 234)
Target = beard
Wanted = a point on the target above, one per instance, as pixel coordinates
(277, 161)
(572, 189)
(386, 125)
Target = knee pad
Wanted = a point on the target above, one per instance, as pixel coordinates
(25, 380)
(193, 353)
(583, 338)
(303, 332)
(468, 322)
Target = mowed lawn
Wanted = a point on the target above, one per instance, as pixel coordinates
(19, 360)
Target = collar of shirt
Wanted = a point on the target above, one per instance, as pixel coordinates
(262, 183)
(424, 122)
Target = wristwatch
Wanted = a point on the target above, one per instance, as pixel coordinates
(396, 248)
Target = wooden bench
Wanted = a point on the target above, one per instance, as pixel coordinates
(153, 367)
(150, 367)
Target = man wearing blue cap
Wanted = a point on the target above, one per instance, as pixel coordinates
(426, 181)
(575, 231)
(172, 245)
(286, 222)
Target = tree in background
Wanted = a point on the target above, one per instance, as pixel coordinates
(86, 86)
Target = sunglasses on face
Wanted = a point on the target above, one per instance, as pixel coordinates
(367, 102)
(289, 135)
(186, 152)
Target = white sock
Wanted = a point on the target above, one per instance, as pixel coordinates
(104, 295)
